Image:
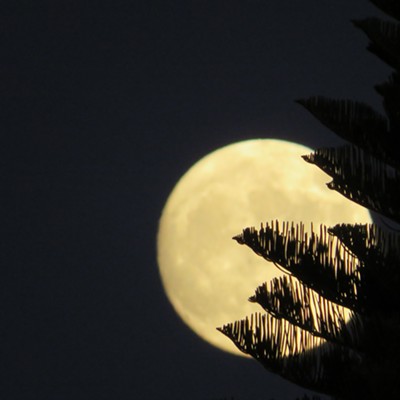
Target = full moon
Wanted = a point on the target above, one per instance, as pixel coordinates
(206, 275)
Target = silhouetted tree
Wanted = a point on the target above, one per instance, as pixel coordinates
(304, 335)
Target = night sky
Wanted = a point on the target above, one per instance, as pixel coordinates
(104, 106)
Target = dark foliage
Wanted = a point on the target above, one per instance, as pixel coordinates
(332, 324)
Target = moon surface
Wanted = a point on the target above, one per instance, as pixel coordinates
(206, 275)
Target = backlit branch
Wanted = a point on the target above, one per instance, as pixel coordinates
(294, 353)
(318, 261)
(379, 254)
(361, 178)
(287, 298)
(356, 122)
(368, 241)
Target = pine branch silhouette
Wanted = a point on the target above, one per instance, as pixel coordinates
(286, 298)
(357, 123)
(304, 334)
(348, 166)
(296, 354)
(318, 261)
(384, 39)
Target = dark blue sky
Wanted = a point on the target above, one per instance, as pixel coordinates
(104, 106)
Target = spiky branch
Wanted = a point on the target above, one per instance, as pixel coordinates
(286, 298)
(384, 39)
(281, 348)
(361, 178)
(318, 261)
(358, 123)
(304, 336)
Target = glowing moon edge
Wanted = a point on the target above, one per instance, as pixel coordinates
(207, 277)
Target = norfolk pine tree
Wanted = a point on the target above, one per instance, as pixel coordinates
(304, 335)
